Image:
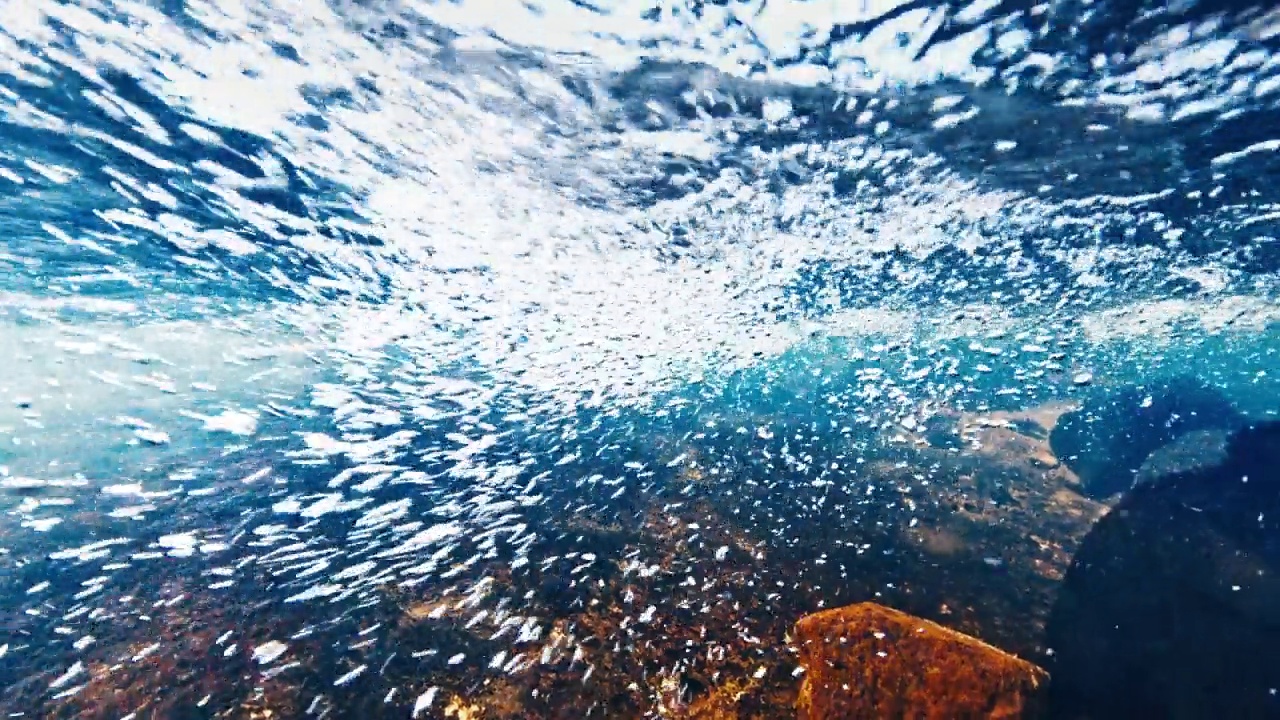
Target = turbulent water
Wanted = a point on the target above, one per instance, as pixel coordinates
(438, 358)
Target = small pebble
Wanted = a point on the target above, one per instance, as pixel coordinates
(1083, 378)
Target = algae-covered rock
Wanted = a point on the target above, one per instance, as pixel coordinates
(870, 661)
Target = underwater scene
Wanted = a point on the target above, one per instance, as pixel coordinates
(694, 359)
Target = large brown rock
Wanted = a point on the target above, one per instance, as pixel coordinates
(870, 661)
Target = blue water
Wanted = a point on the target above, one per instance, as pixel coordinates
(553, 359)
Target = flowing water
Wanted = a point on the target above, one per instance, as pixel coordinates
(550, 359)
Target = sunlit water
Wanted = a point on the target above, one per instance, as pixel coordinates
(387, 357)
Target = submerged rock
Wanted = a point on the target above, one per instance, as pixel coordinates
(1193, 451)
(868, 660)
(1171, 607)
(1107, 439)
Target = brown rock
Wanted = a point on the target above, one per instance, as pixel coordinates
(870, 661)
(1043, 458)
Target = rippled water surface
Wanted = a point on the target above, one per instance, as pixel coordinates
(551, 359)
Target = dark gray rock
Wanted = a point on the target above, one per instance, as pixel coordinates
(1171, 606)
(1107, 440)
(1196, 450)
